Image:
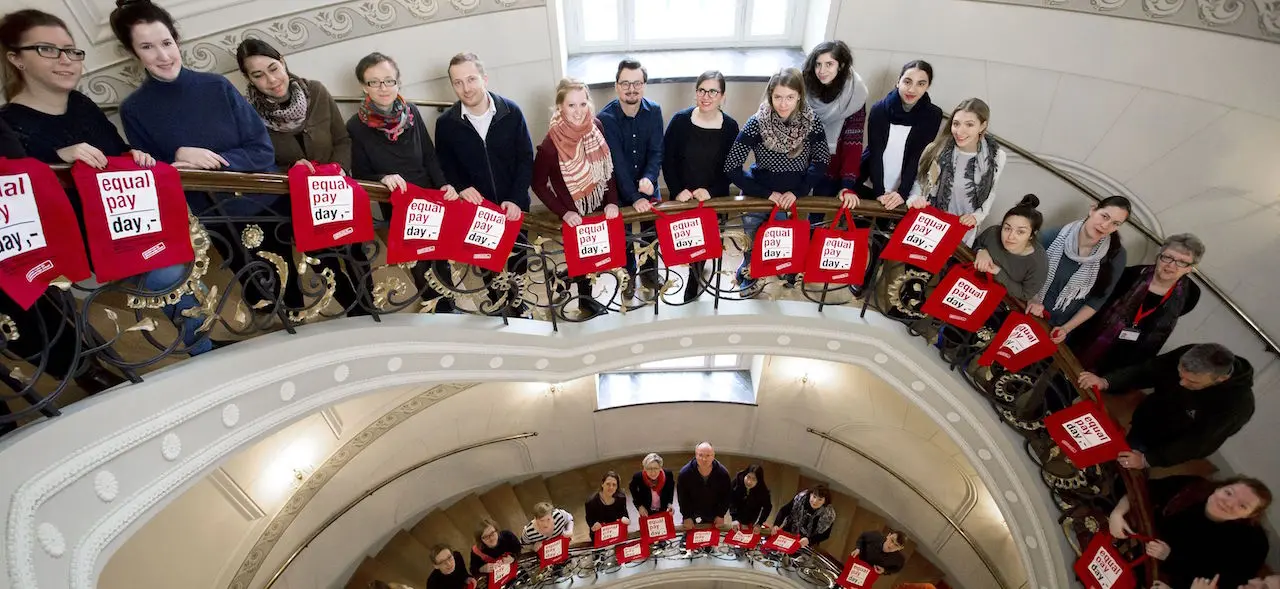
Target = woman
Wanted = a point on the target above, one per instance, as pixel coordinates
(549, 522)
(451, 572)
(653, 488)
(492, 546)
(959, 171)
(808, 515)
(839, 98)
(1204, 528)
(390, 145)
(573, 170)
(227, 135)
(899, 127)
(609, 504)
(58, 125)
(694, 148)
(790, 150)
(1011, 251)
(1143, 310)
(750, 503)
(1085, 262)
(305, 126)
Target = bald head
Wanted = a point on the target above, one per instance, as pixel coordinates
(706, 456)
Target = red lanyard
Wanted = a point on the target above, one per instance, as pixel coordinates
(1143, 313)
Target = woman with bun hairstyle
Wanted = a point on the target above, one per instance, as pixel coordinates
(1086, 259)
(1011, 251)
(959, 171)
(198, 120)
(305, 126)
(899, 127)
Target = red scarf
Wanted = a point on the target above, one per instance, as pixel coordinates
(475, 549)
(655, 484)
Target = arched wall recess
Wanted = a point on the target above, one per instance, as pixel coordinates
(58, 533)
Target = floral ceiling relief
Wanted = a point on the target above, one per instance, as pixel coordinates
(293, 33)
(1256, 19)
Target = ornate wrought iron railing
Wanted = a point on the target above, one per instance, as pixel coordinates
(244, 289)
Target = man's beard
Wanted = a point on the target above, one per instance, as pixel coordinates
(631, 99)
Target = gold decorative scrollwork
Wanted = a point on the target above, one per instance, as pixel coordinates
(193, 284)
(8, 328)
(251, 236)
(907, 287)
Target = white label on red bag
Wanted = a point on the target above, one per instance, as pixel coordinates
(783, 542)
(593, 239)
(1020, 338)
(500, 570)
(131, 203)
(487, 228)
(687, 233)
(423, 220)
(657, 527)
(837, 254)
(1086, 431)
(1105, 569)
(926, 232)
(964, 296)
(741, 537)
(331, 200)
(632, 551)
(609, 531)
(776, 243)
(20, 228)
(552, 550)
(857, 574)
(702, 536)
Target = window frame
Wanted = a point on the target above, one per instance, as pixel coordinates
(708, 365)
(792, 35)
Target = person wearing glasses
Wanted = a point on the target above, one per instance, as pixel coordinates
(1143, 310)
(451, 571)
(390, 145)
(696, 144)
(492, 546)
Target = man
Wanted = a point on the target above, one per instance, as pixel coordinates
(486, 153)
(633, 130)
(882, 551)
(1201, 395)
(703, 489)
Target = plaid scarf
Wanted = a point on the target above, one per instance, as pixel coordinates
(785, 136)
(585, 162)
(286, 116)
(397, 120)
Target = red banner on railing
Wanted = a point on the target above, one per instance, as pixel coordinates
(838, 256)
(39, 236)
(417, 226)
(329, 209)
(857, 575)
(485, 237)
(742, 539)
(1086, 434)
(633, 552)
(553, 551)
(695, 539)
(657, 527)
(780, 246)
(135, 217)
(691, 236)
(609, 534)
(597, 244)
(1021, 342)
(1100, 566)
(925, 238)
(502, 573)
(783, 542)
(965, 298)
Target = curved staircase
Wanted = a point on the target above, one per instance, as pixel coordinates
(406, 558)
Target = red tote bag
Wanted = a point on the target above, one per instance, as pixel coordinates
(135, 217)
(742, 539)
(417, 226)
(965, 298)
(925, 238)
(1086, 434)
(502, 573)
(696, 539)
(857, 575)
(39, 236)
(1100, 566)
(838, 256)
(329, 209)
(633, 552)
(481, 234)
(780, 246)
(1021, 342)
(597, 244)
(657, 527)
(691, 236)
(553, 552)
(782, 542)
(609, 534)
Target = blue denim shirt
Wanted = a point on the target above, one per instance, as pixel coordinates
(636, 146)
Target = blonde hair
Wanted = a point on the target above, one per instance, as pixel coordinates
(787, 77)
(568, 85)
(651, 457)
(974, 106)
(543, 509)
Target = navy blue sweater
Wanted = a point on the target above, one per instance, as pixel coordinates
(499, 165)
(775, 171)
(925, 118)
(43, 134)
(673, 147)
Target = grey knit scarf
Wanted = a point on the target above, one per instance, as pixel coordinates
(1067, 243)
(981, 166)
(832, 114)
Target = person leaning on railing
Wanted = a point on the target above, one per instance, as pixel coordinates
(1203, 528)
(899, 127)
(1011, 251)
(883, 551)
(492, 546)
(809, 515)
(1143, 309)
(653, 488)
(697, 141)
(750, 502)
(959, 171)
(549, 522)
(1086, 259)
(573, 170)
(703, 489)
(305, 126)
(838, 97)
(608, 504)
(198, 120)
(451, 571)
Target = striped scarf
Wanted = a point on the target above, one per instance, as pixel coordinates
(1080, 283)
(585, 162)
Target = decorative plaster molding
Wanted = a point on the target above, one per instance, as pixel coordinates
(295, 32)
(333, 420)
(1259, 19)
(236, 495)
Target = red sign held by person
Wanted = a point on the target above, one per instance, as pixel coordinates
(780, 246)
(657, 527)
(329, 209)
(965, 298)
(553, 551)
(925, 238)
(417, 226)
(501, 573)
(783, 542)
(691, 236)
(597, 244)
(838, 256)
(1086, 434)
(1021, 342)
(857, 575)
(485, 237)
(39, 235)
(742, 538)
(135, 218)
(1100, 566)
(701, 538)
(633, 552)
(609, 534)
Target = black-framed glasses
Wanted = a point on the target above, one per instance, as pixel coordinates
(382, 83)
(1168, 259)
(52, 52)
(628, 85)
(712, 92)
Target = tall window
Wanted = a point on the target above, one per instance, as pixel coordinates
(627, 25)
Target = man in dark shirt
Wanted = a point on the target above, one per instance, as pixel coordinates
(703, 489)
(633, 130)
(881, 551)
(451, 571)
(1201, 395)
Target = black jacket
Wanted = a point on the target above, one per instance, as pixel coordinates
(750, 506)
(508, 543)
(676, 140)
(925, 118)
(871, 551)
(500, 165)
(700, 498)
(455, 580)
(640, 493)
(412, 155)
(1172, 424)
(1199, 546)
(599, 513)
